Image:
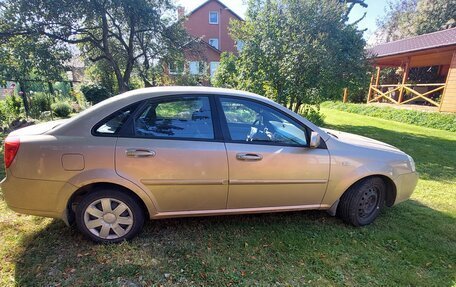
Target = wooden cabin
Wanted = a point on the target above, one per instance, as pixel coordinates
(435, 51)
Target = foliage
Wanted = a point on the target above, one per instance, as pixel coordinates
(39, 103)
(312, 113)
(296, 52)
(227, 74)
(80, 99)
(61, 109)
(279, 249)
(434, 120)
(123, 33)
(406, 18)
(10, 110)
(95, 94)
(102, 74)
(186, 79)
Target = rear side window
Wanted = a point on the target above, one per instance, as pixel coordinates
(112, 124)
(187, 117)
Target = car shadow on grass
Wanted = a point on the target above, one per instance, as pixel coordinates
(410, 244)
(434, 157)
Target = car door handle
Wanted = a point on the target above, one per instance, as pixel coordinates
(133, 152)
(249, 156)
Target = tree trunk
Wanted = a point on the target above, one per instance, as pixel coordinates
(51, 88)
(24, 98)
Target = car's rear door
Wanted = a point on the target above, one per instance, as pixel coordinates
(270, 163)
(172, 146)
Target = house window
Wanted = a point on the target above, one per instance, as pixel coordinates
(213, 68)
(213, 17)
(175, 68)
(196, 68)
(214, 43)
(239, 45)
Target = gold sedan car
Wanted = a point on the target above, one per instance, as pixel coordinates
(195, 151)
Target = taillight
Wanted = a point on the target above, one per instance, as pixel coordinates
(11, 147)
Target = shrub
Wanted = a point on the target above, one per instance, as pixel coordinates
(95, 93)
(61, 109)
(441, 121)
(312, 113)
(10, 110)
(39, 103)
(80, 99)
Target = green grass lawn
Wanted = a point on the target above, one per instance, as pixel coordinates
(411, 244)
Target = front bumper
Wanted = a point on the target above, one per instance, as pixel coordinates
(405, 185)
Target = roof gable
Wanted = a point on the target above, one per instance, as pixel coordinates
(220, 3)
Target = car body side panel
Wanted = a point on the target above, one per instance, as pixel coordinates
(351, 163)
(38, 197)
(40, 156)
(285, 176)
(182, 175)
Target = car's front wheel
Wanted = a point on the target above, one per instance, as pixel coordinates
(361, 204)
(109, 216)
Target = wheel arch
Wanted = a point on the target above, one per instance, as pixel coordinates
(390, 196)
(76, 197)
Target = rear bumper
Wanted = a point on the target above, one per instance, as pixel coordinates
(34, 197)
(405, 185)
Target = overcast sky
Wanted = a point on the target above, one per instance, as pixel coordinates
(375, 9)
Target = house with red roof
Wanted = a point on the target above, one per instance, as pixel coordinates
(209, 24)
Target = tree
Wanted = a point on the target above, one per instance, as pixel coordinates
(406, 18)
(122, 33)
(296, 52)
(31, 58)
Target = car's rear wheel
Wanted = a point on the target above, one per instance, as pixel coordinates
(361, 204)
(109, 216)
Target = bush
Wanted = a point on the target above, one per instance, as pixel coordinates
(10, 110)
(80, 99)
(39, 103)
(313, 114)
(61, 109)
(95, 93)
(434, 120)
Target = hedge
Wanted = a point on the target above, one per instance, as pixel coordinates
(441, 121)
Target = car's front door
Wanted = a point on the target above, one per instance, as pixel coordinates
(270, 163)
(171, 147)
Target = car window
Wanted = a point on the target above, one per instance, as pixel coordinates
(186, 117)
(254, 122)
(114, 123)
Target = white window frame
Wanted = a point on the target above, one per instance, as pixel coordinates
(177, 66)
(217, 13)
(214, 39)
(213, 66)
(197, 66)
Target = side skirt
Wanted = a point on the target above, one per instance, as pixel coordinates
(191, 213)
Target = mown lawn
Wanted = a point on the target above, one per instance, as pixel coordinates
(411, 244)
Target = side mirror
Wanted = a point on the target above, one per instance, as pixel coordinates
(314, 140)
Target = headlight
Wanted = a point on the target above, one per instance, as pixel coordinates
(412, 163)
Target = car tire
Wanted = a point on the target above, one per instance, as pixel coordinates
(362, 203)
(109, 216)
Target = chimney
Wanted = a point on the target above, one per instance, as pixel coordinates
(180, 12)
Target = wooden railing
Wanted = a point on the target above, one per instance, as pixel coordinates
(377, 93)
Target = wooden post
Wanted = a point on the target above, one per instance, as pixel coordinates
(345, 95)
(377, 79)
(370, 89)
(404, 79)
